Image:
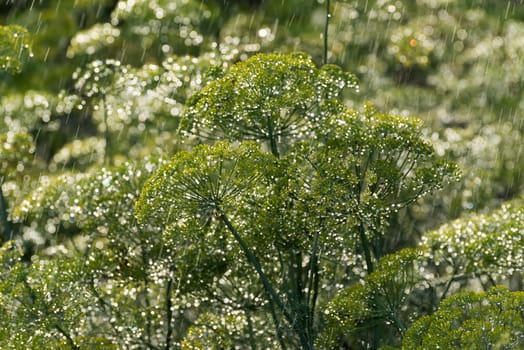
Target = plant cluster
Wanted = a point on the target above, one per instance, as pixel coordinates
(195, 175)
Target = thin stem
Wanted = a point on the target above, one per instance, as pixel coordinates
(326, 29)
(362, 172)
(316, 284)
(361, 229)
(253, 260)
(296, 299)
(34, 311)
(277, 324)
(313, 274)
(283, 274)
(271, 293)
(107, 157)
(108, 309)
(3, 214)
(293, 293)
(294, 296)
(398, 323)
(285, 285)
(217, 38)
(312, 290)
(67, 336)
(169, 313)
(365, 245)
(272, 141)
(448, 285)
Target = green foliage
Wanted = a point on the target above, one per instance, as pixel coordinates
(93, 39)
(358, 169)
(246, 242)
(97, 79)
(79, 154)
(269, 98)
(124, 267)
(26, 112)
(375, 303)
(16, 150)
(367, 166)
(84, 201)
(114, 94)
(492, 155)
(48, 207)
(160, 27)
(200, 184)
(379, 159)
(214, 332)
(482, 243)
(487, 75)
(37, 310)
(187, 196)
(14, 49)
(467, 320)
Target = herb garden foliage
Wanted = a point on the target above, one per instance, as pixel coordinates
(16, 146)
(356, 168)
(375, 305)
(467, 320)
(174, 175)
(487, 243)
(15, 48)
(271, 98)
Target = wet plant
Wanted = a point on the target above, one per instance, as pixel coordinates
(175, 175)
(342, 176)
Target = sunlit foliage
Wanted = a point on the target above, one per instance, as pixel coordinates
(159, 27)
(25, 112)
(485, 243)
(14, 48)
(213, 332)
(174, 174)
(141, 106)
(367, 166)
(373, 306)
(271, 98)
(468, 320)
(36, 304)
(16, 149)
(356, 168)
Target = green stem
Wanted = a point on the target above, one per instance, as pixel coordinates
(298, 299)
(169, 313)
(272, 294)
(107, 308)
(108, 159)
(272, 141)
(3, 214)
(295, 298)
(270, 291)
(31, 308)
(276, 321)
(399, 324)
(448, 285)
(361, 172)
(312, 287)
(365, 245)
(316, 284)
(67, 336)
(326, 28)
(253, 260)
(285, 285)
